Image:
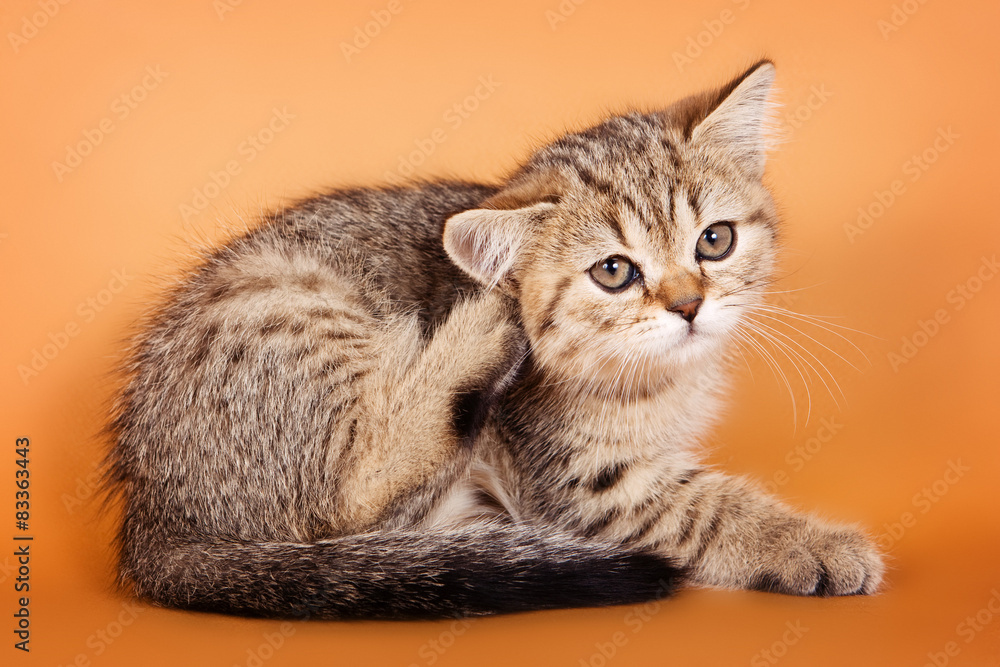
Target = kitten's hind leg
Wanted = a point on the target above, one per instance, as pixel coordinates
(418, 412)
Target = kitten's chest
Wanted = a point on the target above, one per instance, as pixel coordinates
(547, 453)
(569, 459)
(574, 469)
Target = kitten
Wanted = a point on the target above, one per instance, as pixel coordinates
(455, 398)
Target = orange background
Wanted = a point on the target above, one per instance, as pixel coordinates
(861, 99)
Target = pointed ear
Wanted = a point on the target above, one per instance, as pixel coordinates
(738, 118)
(486, 242)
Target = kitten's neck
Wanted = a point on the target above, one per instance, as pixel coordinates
(672, 416)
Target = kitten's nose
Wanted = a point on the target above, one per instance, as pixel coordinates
(688, 309)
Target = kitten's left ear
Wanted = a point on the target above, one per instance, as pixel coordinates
(738, 117)
(486, 242)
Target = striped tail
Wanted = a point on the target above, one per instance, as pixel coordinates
(482, 569)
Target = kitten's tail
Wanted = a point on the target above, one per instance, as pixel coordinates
(483, 569)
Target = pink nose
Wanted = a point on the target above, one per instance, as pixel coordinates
(688, 309)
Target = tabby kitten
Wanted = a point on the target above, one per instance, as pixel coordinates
(455, 398)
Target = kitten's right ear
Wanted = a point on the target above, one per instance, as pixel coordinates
(485, 242)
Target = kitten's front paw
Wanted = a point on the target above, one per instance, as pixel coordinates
(481, 346)
(483, 335)
(809, 558)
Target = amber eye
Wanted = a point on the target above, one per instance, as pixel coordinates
(614, 273)
(716, 242)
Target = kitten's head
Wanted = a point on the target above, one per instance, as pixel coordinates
(636, 247)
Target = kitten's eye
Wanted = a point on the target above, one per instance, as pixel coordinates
(716, 242)
(614, 273)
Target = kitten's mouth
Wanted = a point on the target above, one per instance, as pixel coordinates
(694, 339)
(689, 335)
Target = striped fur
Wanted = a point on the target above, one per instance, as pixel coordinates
(394, 403)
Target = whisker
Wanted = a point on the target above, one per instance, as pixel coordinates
(788, 352)
(813, 320)
(803, 333)
(772, 363)
(785, 336)
(818, 320)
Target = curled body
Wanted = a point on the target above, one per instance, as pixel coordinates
(456, 398)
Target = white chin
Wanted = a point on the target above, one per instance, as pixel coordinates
(690, 345)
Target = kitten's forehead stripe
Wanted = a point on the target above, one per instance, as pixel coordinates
(675, 160)
(671, 202)
(614, 222)
(693, 196)
(607, 189)
(639, 211)
(651, 185)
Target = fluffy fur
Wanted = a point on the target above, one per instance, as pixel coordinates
(419, 402)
